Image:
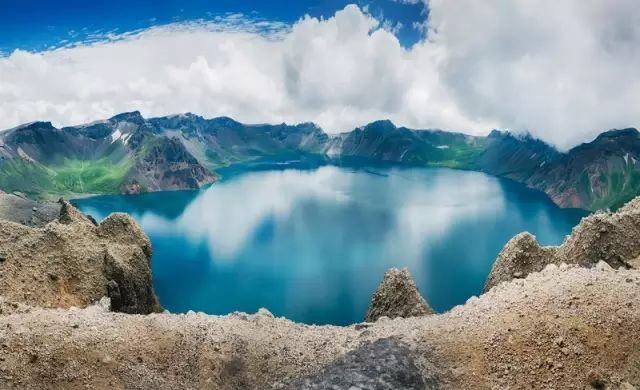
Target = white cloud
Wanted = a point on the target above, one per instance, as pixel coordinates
(563, 70)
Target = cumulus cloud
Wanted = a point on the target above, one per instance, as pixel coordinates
(341, 73)
(564, 71)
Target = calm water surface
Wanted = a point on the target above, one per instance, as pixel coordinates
(313, 244)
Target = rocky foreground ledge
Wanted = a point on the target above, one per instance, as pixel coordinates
(566, 327)
(562, 326)
(74, 262)
(610, 237)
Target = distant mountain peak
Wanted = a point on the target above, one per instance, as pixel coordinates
(185, 115)
(133, 116)
(225, 121)
(619, 133)
(38, 125)
(384, 125)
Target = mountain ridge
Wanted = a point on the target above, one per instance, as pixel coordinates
(128, 153)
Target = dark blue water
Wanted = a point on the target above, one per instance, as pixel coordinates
(313, 244)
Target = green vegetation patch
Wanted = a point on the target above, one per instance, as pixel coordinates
(90, 177)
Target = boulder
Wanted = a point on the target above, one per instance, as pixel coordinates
(397, 296)
(521, 256)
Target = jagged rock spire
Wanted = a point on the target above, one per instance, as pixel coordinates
(397, 296)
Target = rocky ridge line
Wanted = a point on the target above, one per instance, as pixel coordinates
(608, 237)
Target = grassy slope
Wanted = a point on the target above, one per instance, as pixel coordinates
(71, 177)
(21, 175)
(457, 155)
(90, 177)
(621, 188)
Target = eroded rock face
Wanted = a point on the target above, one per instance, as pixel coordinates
(397, 296)
(610, 237)
(521, 256)
(74, 262)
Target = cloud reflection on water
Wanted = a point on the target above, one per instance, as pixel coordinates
(423, 209)
(313, 244)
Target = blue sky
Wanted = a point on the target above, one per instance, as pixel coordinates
(37, 25)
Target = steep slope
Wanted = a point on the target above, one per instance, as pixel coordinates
(383, 141)
(165, 164)
(222, 141)
(604, 173)
(121, 154)
(515, 157)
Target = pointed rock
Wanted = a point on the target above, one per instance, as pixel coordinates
(521, 256)
(69, 214)
(397, 296)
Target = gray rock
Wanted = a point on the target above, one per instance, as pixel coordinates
(383, 364)
(608, 237)
(397, 296)
(19, 209)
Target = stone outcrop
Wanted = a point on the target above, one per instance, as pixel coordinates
(609, 237)
(73, 261)
(566, 327)
(397, 296)
(521, 256)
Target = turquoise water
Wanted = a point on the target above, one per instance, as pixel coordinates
(313, 244)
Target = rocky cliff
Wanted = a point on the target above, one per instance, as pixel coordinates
(122, 154)
(566, 326)
(74, 262)
(608, 237)
(604, 173)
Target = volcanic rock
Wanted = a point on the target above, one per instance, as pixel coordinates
(608, 237)
(28, 212)
(74, 262)
(397, 296)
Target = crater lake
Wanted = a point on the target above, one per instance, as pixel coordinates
(313, 244)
